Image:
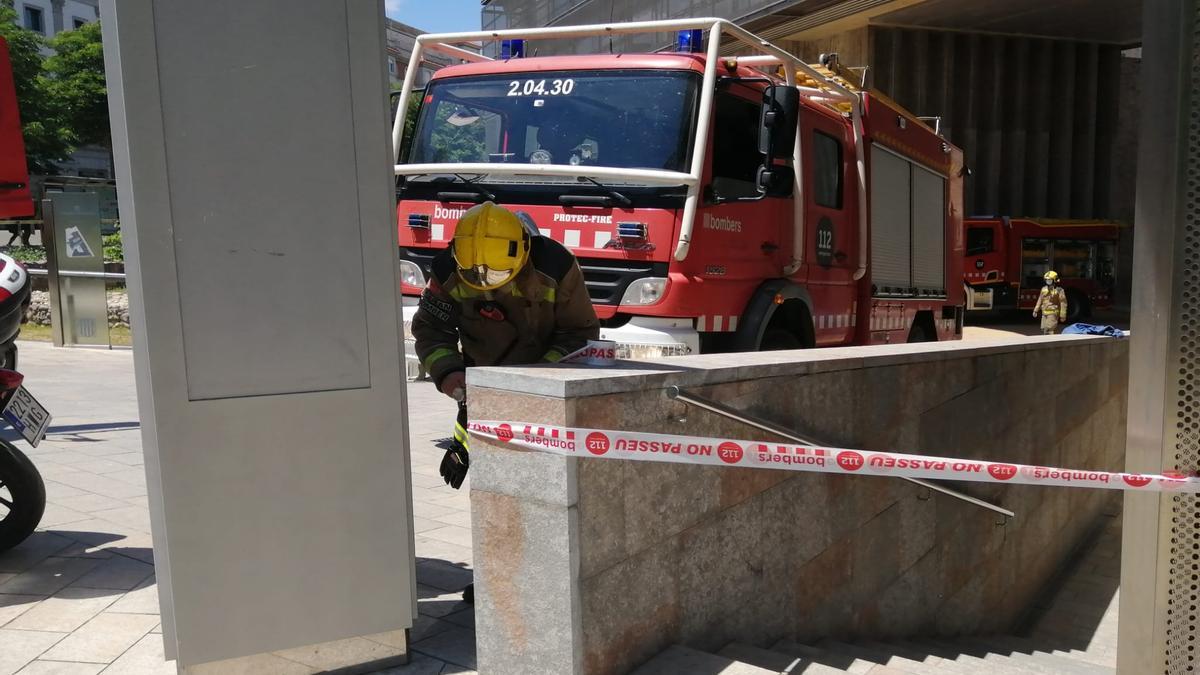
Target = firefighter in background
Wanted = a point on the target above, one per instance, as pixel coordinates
(1051, 304)
(509, 297)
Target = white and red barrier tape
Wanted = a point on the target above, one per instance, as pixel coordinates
(573, 442)
(594, 353)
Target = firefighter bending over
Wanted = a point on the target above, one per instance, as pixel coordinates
(509, 297)
(1051, 304)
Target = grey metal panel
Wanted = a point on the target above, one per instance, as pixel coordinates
(1039, 145)
(279, 521)
(929, 230)
(1179, 553)
(233, 181)
(82, 316)
(891, 239)
(1158, 606)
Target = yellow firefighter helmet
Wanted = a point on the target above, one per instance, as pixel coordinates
(1051, 276)
(490, 245)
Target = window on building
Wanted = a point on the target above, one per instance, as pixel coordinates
(392, 66)
(736, 158)
(980, 240)
(35, 19)
(827, 171)
(79, 23)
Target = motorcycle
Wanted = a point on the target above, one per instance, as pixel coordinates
(22, 491)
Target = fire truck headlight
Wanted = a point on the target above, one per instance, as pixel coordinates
(646, 291)
(410, 274)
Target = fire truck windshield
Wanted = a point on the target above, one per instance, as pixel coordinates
(633, 119)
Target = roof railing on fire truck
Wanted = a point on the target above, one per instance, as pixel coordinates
(816, 84)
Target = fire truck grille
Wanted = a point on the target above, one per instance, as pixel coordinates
(607, 279)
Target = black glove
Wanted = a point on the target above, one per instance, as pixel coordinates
(457, 459)
(454, 466)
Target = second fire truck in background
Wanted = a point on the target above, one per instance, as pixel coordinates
(1006, 258)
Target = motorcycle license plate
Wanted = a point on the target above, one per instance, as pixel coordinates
(27, 415)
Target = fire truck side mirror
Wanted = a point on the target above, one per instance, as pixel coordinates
(775, 181)
(780, 113)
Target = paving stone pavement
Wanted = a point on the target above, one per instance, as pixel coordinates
(79, 595)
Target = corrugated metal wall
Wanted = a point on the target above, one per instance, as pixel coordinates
(1036, 118)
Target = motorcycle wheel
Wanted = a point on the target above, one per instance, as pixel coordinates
(22, 496)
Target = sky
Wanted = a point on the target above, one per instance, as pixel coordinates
(435, 16)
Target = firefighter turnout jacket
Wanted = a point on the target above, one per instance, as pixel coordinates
(542, 315)
(1052, 301)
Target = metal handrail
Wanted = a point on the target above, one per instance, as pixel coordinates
(770, 427)
(119, 276)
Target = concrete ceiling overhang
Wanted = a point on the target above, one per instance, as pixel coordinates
(1109, 21)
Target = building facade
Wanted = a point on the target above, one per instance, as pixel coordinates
(500, 14)
(400, 40)
(51, 17)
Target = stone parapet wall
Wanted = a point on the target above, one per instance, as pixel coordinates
(593, 566)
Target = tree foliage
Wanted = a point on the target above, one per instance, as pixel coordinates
(74, 79)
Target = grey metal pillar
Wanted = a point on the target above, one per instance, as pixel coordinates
(1160, 566)
(256, 196)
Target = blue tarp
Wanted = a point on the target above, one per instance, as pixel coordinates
(1093, 329)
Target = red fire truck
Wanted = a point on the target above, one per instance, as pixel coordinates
(15, 198)
(715, 203)
(1006, 258)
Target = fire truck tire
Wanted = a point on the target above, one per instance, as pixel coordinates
(1078, 307)
(767, 321)
(776, 339)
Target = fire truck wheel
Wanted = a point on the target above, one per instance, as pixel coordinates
(1078, 308)
(779, 338)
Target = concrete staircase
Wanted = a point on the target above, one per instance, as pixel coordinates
(1074, 634)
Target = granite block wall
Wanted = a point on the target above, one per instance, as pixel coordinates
(594, 566)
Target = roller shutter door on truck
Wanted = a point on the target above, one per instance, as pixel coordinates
(891, 236)
(929, 232)
(908, 227)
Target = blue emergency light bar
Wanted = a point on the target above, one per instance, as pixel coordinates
(512, 49)
(691, 41)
